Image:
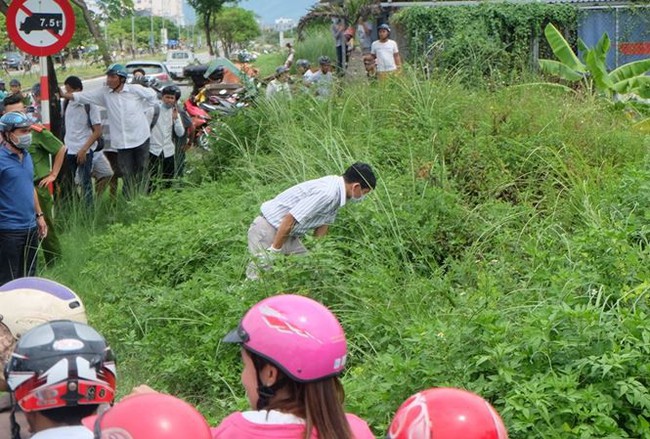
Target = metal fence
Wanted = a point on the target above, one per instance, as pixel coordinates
(628, 28)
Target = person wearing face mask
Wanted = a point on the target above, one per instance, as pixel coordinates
(164, 119)
(21, 217)
(311, 205)
(48, 154)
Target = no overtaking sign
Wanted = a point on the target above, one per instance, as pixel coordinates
(40, 27)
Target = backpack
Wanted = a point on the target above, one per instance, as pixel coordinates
(181, 141)
(100, 139)
(156, 115)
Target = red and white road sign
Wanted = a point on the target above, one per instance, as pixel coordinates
(40, 27)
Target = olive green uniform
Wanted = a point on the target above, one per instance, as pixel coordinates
(45, 145)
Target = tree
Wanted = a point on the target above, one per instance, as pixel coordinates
(236, 26)
(115, 9)
(348, 10)
(90, 19)
(207, 10)
(82, 35)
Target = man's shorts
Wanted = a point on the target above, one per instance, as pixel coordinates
(101, 166)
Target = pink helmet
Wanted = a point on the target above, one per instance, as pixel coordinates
(151, 415)
(299, 335)
(446, 413)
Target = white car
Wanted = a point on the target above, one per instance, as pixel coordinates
(177, 60)
(152, 70)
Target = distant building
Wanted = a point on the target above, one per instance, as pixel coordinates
(93, 6)
(284, 24)
(170, 9)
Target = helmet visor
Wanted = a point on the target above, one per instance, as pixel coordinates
(238, 335)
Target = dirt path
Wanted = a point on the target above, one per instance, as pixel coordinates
(355, 65)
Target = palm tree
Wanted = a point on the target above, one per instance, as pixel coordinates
(348, 10)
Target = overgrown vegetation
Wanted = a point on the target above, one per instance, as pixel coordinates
(504, 251)
(491, 39)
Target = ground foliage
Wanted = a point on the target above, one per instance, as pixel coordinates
(492, 38)
(505, 251)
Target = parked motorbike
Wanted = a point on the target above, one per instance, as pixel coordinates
(199, 131)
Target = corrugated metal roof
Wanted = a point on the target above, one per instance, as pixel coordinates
(608, 3)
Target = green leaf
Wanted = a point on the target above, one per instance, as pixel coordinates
(639, 85)
(598, 70)
(602, 47)
(582, 46)
(559, 69)
(562, 50)
(630, 70)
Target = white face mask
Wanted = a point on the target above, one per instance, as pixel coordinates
(24, 141)
(357, 199)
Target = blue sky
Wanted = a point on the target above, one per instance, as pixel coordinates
(270, 10)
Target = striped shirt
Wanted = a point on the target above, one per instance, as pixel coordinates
(312, 203)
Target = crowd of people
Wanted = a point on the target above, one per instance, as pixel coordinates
(381, 59)
(60, 373)
(147, 135)
(61, 376)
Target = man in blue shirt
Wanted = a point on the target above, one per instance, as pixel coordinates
(21, 218)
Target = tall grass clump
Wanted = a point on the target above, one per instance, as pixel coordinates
(505, 251)
(317, 41)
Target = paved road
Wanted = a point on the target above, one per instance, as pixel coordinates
(95, 83)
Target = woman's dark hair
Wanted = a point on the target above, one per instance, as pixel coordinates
(360, 173)
(12, 99)
(319, 403)
(70, 415)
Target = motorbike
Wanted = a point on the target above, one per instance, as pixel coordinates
(199, 131)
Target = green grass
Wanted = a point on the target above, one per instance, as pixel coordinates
(505, 251)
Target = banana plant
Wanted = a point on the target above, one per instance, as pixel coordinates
(628, 78)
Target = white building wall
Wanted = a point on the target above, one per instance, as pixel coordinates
(170, 9)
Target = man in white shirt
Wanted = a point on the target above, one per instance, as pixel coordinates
(303, 67)
(323, 79)
(385, 52)
(311, 205)
(83, 126)
(279, 86)
(164, 118)
(125, 106)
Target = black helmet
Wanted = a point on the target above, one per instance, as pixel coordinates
(68, 361)
(172, 90)
(324, 60)
(384, 26)
(305, 64)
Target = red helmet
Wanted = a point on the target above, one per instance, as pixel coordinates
(61, 363)
(151, 415)
(446, 413)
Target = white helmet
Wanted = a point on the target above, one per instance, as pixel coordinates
(33, 301)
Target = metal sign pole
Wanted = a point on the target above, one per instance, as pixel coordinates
(45, 93)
